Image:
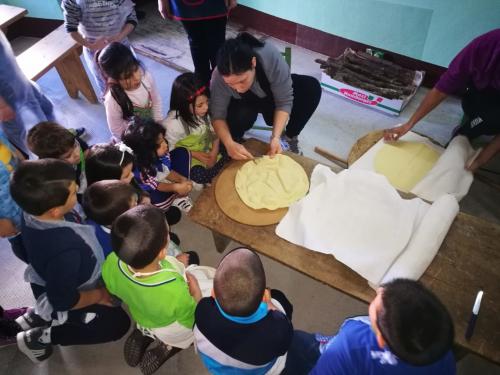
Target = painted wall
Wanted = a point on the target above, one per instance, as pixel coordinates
(429, 30)
(49, 9)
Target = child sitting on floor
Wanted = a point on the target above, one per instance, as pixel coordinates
(64, 268)
(131, 89)
(51, 140)
(188, 125)
(163, 174)
(407, 331)
(160, 295)
(240, 328)
(107, 161)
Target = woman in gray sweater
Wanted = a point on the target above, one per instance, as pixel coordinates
(251, 78)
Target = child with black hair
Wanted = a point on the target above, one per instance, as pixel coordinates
(131, 89)
(160, 294)
(115, 161)
(243, 326)
(408, 331)
(103, 202)
(163, 174)
(188, 125)
(64, 267)
(51, 140)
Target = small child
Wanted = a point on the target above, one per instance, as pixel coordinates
(163, 174)
(51, 140)
(160, 295)
(131, 89)
(95, 23)
(408, 331)
(103, 202)
(240, 328)
(188, 125)
(107, 161)
(64, 265)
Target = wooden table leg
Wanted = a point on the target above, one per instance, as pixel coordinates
(220, 241)
(75, 77)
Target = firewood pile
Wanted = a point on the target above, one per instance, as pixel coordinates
(370, 73)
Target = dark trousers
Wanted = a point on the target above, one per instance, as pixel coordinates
(205, 38)
(482, 113)
(242, 113)
(94, 324)
(302, 354)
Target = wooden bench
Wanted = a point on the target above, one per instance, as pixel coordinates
(58, 50)
(10, 14)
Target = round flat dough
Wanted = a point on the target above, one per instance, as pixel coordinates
(271, 182)
(405, 163)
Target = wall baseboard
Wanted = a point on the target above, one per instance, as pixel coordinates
(322, 42)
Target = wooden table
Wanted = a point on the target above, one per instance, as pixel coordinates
(469, 259)
(10, 14)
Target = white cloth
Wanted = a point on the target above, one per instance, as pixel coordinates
(448, 176)
(359, 218)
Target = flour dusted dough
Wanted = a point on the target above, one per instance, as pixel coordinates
(405, 163)
(271, 182)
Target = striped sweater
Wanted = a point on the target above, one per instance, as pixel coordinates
(98, 18)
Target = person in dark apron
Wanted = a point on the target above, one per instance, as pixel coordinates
(205, 24)
(474, 75)
(251, 78)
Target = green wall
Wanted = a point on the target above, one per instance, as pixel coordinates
(429, 30)
(39, 8)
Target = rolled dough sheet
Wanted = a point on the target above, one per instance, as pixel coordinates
(405, 163)
(271, 183)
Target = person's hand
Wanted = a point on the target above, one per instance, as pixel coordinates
(194, 286)
(183, 258)
(105, 298)
(6, 112)
(274, 147)
(393, 134)
(183, 188)
(98, 44)
(203, 157)
(7, 228)
(230, 4)
(212, 159)
(238, 152)
(164, 9)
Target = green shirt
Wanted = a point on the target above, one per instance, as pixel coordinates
(154, 301)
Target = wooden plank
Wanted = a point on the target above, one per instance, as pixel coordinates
(41, 57)
(469, 259)
(58, 50)
(10, 14)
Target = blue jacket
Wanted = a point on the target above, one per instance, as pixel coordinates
(196, 10)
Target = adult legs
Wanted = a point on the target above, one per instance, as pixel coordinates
(241, 116)
(44, 104)
(199, 50)
(482, 111)
(89, 57)
(94, 324)
(306, 97)
(215, 38)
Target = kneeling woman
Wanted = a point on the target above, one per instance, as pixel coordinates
(251, 78)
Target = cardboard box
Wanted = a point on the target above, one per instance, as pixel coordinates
(390, 106)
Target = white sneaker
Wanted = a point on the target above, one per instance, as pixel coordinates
(183, 203)
(197, 186)
(290, 144)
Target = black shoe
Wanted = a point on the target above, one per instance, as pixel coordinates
(175, 238)
(194, 258)
(27, 342)
(135, 347)
(77, 132)
(154, 358)
(31, 320)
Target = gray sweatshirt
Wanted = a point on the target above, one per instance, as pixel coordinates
(277, 72)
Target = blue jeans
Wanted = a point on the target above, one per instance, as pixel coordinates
(302, 354)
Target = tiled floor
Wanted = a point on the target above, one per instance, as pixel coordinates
(336, 125)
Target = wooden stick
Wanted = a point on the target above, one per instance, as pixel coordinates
(332, 157)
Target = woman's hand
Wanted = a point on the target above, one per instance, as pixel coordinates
(274, 147)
